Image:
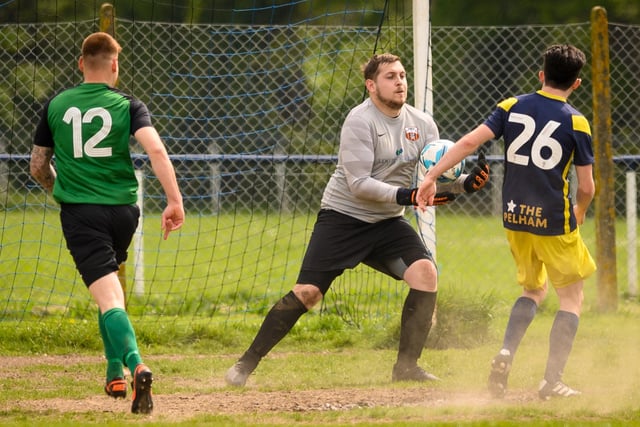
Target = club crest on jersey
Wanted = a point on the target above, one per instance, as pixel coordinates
(411, 133)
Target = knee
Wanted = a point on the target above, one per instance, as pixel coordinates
(309, 295)
(571, 298)
(422, 275)
(537, 295)
(572, 303)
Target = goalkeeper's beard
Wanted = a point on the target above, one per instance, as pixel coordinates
(395, 105)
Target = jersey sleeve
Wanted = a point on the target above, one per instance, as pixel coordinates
(43, 136)
(496, 121)
(584, 150)
(140, 116)
(358, 155)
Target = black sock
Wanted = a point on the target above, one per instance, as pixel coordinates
(563, 332)
(278, 322)
(522, 314)
(415, 325)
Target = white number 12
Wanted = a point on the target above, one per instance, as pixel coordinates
(74, 117)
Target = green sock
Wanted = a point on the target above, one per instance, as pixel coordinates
(122, 337)
(114, 364)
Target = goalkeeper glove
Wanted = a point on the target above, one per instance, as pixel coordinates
(443, 198)
(478, 177)
(407, 197)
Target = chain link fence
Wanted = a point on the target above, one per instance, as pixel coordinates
(251, 116)
(476, 67)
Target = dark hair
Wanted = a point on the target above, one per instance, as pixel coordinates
(371, 67)
(562, 64)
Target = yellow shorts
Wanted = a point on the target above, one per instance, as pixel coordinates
(564, 258)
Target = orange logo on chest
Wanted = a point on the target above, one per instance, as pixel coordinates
(411, 133)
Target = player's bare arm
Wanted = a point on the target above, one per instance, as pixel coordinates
(173, 214)
(461, 149)
(41, 168)
(584, 193)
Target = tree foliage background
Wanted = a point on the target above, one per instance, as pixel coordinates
(443, 12)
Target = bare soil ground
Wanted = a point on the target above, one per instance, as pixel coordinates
(225, 401)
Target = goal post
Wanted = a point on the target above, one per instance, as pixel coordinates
(423, 100)
(422, 57)
(632, 232)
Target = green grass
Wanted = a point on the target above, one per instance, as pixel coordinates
(222, 267)
(207, 297)
(326, 357)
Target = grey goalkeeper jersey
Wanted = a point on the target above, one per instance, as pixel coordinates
(377, 155)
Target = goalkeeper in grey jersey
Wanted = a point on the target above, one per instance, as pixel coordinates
(361, 219)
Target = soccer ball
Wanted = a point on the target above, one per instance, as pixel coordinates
(433, 152)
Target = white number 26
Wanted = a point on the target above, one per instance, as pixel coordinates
(543, 140)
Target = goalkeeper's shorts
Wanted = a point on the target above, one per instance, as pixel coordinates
(340, 241)
(565, 259)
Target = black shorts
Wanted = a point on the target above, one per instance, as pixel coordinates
(339, 241)
(98, 236)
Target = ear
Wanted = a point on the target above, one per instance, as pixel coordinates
(541, 76)
(81, 64)
(576, 84)
(370, 85)
(114, 65)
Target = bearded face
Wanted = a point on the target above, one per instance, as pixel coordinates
(389, 89)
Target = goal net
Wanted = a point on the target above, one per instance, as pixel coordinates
(249, 103)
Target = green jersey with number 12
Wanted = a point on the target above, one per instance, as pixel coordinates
(89, 128)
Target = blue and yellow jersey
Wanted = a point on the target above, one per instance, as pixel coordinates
(543, 136)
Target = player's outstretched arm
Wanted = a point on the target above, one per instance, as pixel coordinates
(461, 149)
(173, 214)
(469, 182)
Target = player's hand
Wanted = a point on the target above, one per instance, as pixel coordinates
(443, 198)
(580, 214)
(172, 219)
(478, 177)
(426, 193)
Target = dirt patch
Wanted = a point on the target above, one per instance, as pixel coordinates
(181, 406)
